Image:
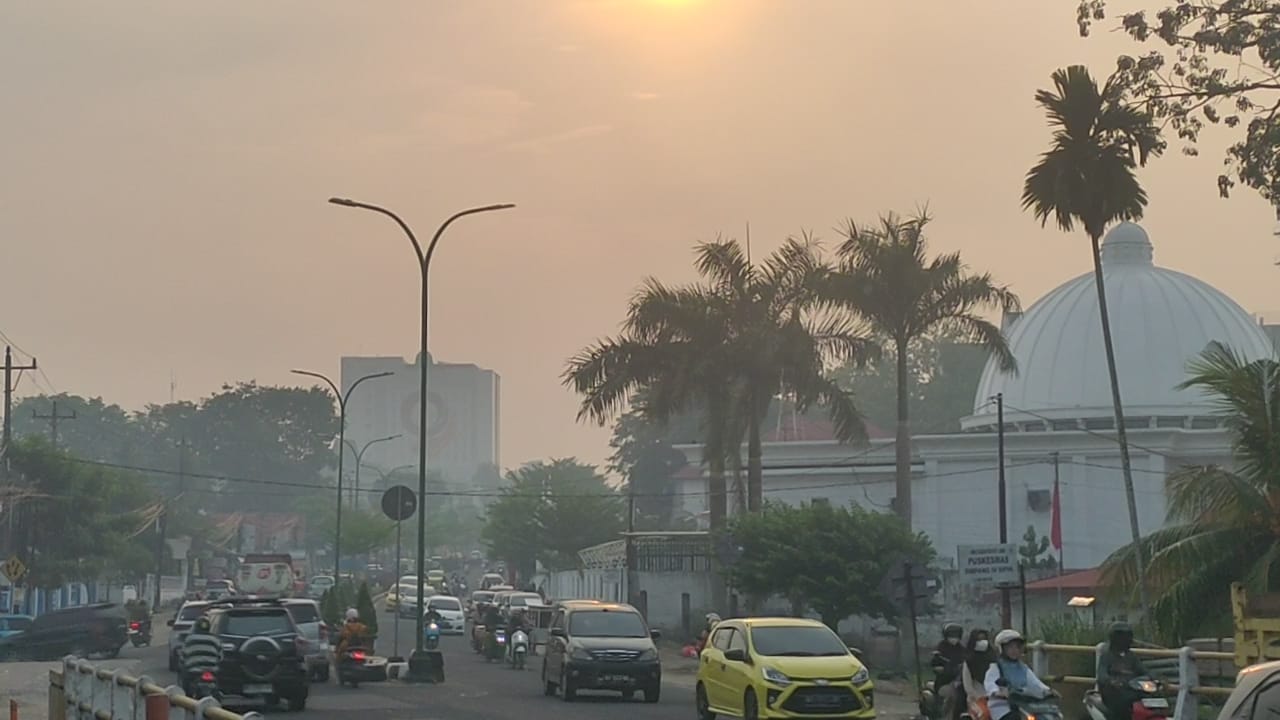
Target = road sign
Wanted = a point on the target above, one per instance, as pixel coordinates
(399, 503)
(13, 569)
(923, 584)
(993, 564)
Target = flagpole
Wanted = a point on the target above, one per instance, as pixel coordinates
(1057, 519)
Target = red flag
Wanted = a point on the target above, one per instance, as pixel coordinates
(1055, 531)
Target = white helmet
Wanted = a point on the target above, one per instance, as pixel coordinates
(1004, 637)
(712, 619)
(352, 614)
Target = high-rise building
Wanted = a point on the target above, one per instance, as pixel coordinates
(462, 417)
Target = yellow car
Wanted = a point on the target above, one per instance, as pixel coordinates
(781, 668)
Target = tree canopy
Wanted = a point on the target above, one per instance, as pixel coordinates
(826, 558)
(548, 512)
(1216, 62)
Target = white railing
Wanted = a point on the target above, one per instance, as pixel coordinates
(90, 693)
(1188, 689)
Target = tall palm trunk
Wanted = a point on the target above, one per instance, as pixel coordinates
(755, 463)
(903, 443)
(717, 505)
(1122, 435)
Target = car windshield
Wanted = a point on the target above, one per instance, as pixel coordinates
(304, 612)
(191, 612)
(444, 604)
(250, 624)
(19, 624)
(796, 641)
(606, 623)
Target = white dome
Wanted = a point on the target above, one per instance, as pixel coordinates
(1160, 319)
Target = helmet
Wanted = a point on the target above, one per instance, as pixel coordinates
(1120, 636)
(712, 618)
(952, 630)
(352, 614)
(1004, 637)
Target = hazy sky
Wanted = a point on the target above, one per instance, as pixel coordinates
(166, 166)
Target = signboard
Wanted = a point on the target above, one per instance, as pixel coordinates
(399, 503)
(13, 569)
(922, 581)
(989, 564)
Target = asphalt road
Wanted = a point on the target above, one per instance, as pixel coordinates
(473, 690)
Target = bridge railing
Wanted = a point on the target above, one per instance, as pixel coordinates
(84, 692)
(1188, 688)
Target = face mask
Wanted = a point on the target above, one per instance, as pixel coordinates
(981, 646)
(953, 640)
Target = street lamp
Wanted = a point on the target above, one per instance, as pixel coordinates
(342, 436)
(424, 267)
(355, 492)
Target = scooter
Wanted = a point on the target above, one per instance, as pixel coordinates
(140, 633)
(1030, 707)
(352, 667)
(202, 686)
(1149, 702)
(496, 646)
(431, 636)
(519, 649)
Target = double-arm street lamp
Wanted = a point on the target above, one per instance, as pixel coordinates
(355, 491)
(424, 267)
(342, 438)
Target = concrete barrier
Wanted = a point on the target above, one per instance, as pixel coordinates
(84, 692)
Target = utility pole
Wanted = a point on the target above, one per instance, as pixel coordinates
(633, 595)
(1006, 606)
(9, 367)
(162, 520)
(54, 418)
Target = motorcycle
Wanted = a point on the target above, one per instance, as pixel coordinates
(431, 636)
(140, 633)
(1030, 707)
(936, 696)
(202, 686)
(519, 649)
(1149, 701)
(496, 646)
(353, 667)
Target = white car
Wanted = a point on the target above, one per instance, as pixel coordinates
(453, 621)
(181, 625)
(306, 615)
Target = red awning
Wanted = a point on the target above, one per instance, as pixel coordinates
(1072, 580)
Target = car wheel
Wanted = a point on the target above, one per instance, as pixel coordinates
(297, 703)
(568, 692)
(703, 705)
(653, 693)
(548, 687)
(750, 710)
(322, 675)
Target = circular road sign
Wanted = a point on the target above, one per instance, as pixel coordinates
(399, 503)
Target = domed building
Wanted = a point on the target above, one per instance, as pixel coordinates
(1058, 418)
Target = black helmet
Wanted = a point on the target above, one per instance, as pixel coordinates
(1121, 635)
(952, 630)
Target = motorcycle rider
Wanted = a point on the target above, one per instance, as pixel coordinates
(946, 662)
(978, 658)
(354, 633)
(705, 637)
(1018, 678)
(1117, 667)
(201, 651)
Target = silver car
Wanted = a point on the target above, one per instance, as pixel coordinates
(311, 627)
(182, 623)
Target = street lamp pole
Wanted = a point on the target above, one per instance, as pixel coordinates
(424, 267)
(342, 438)
(355, 491)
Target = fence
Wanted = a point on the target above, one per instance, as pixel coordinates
(83, 692)
(1188, 687)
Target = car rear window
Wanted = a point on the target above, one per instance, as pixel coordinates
(18, 624)
(304, 612)
(444, 604)
(606, 623)
(191, 612)
(258, 623)
(524, 600)
(482, 596)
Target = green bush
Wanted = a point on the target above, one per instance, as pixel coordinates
(335, 601)
(368, 613)
(1071, 631)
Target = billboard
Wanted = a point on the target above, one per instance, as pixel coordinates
(462, 418)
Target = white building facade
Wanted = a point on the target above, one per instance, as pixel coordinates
(1057, 416)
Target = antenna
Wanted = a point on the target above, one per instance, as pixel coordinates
(173, 387)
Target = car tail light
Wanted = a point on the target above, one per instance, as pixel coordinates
(206, 676)
(358, 655)
(134, 626)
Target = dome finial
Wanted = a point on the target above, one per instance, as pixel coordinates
(1127, 244)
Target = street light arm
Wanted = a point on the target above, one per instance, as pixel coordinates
(356, 384)
(332, 385)
(417, 247)
(431, 249)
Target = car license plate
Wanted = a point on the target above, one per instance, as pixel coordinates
(822, 701)
(1155, 702)
(257, 689)
(617, 679)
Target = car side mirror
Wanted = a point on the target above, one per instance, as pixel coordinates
(558, 632)
(857, 652)
(736, 655)
(655, 634)
(170, 623)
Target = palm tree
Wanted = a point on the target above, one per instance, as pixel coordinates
(885, 278)
(1222, 523)
(1087, 176)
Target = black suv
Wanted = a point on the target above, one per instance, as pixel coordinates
(598, 645)
(84, 631)
(263, 654)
